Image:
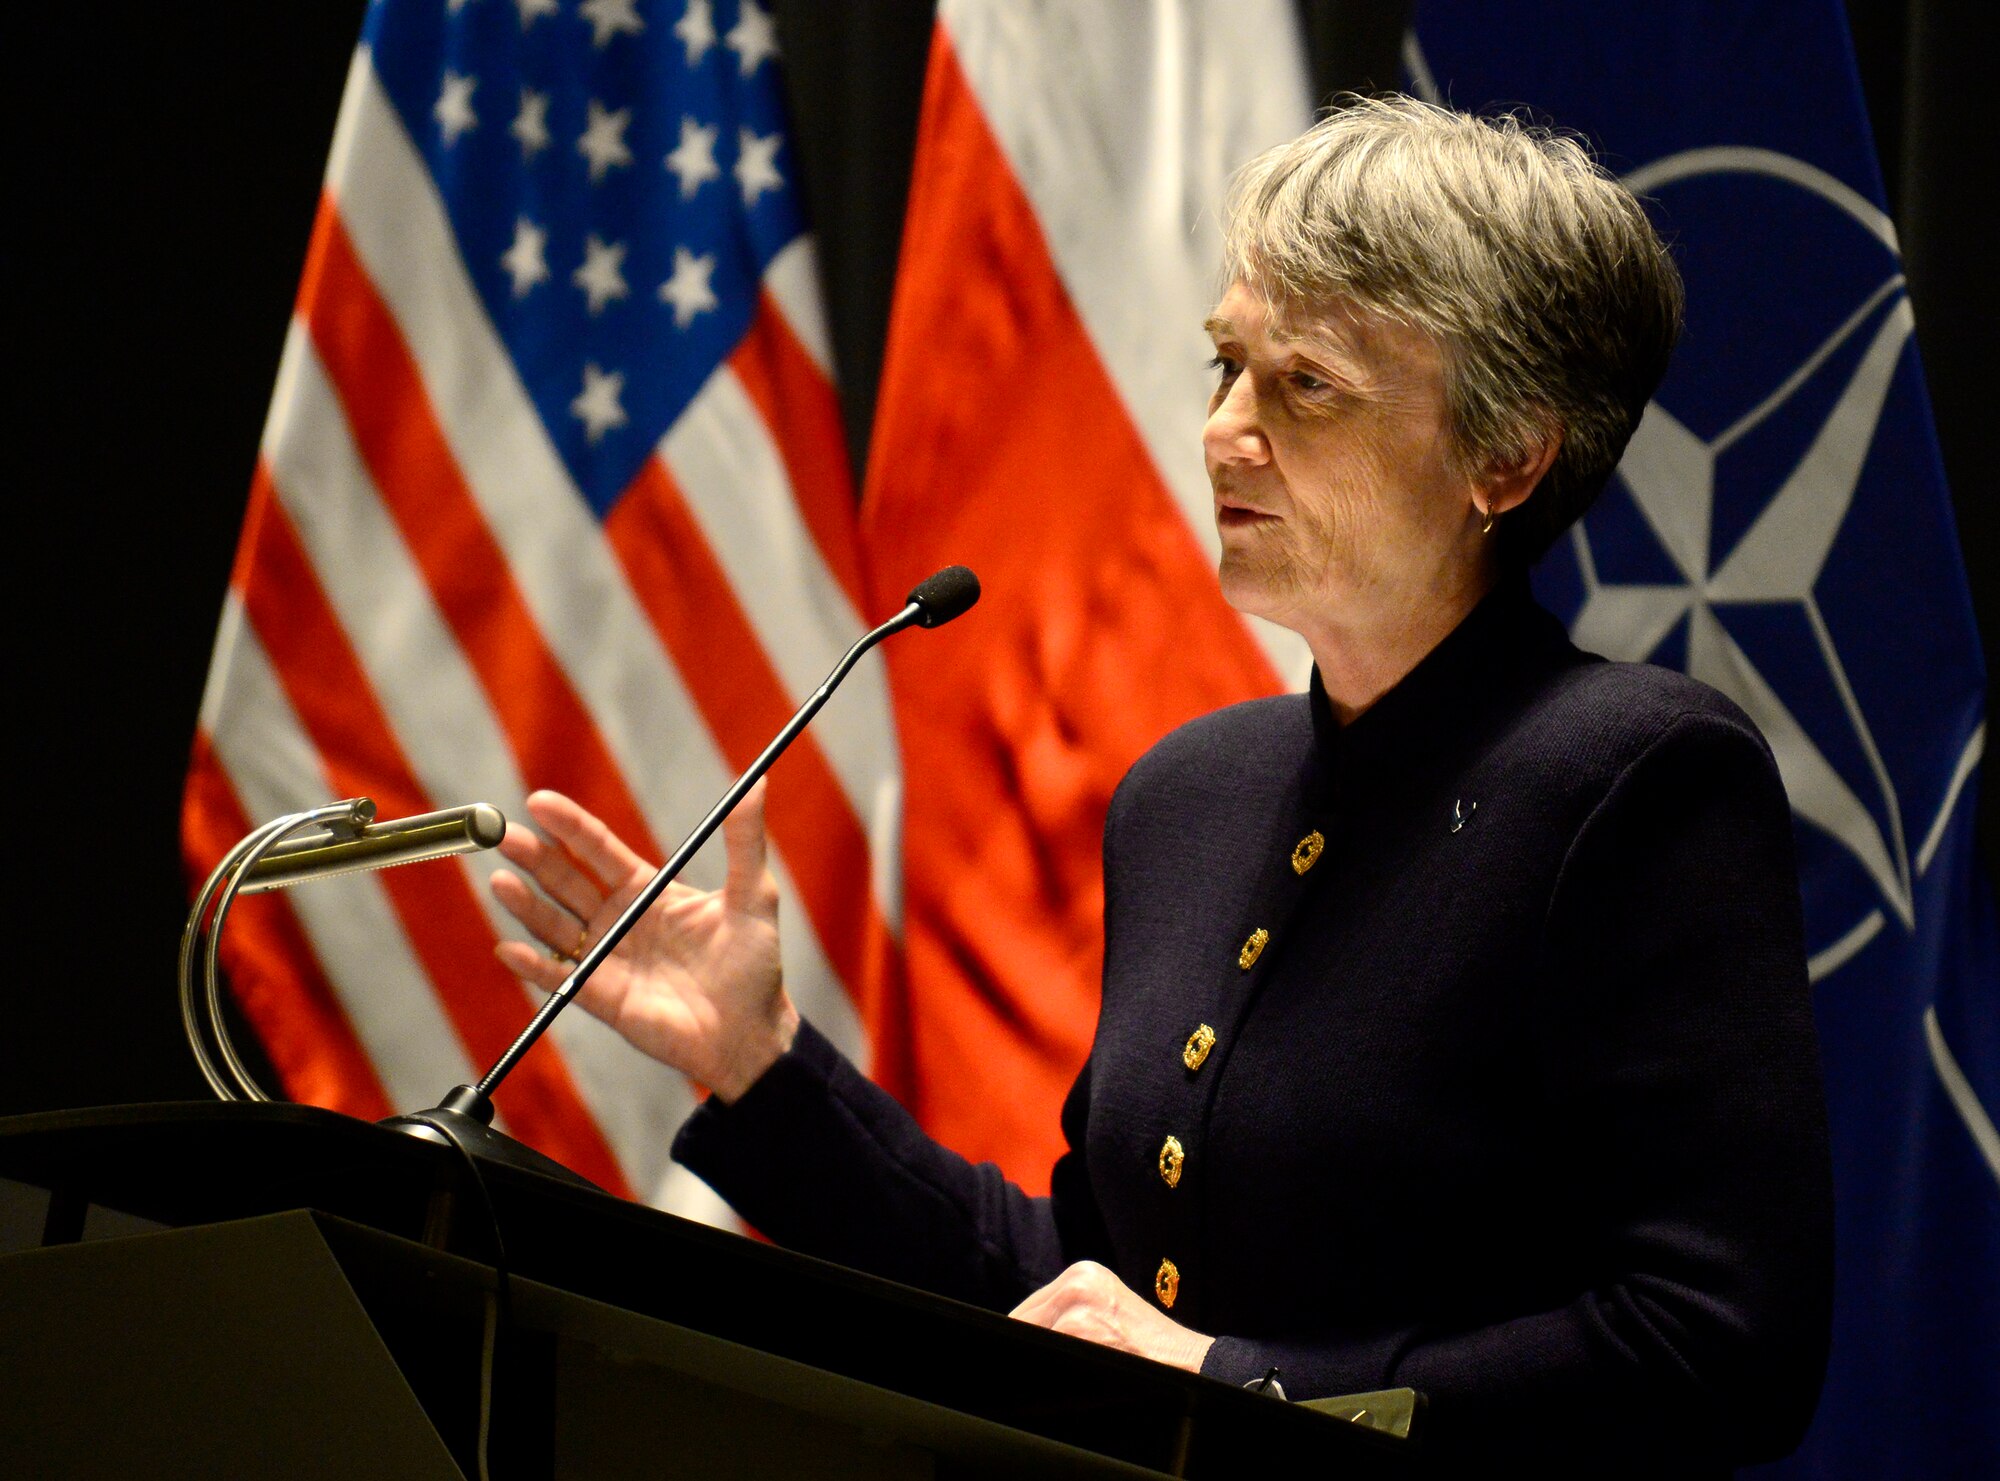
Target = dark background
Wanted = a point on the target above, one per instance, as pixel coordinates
(173, 157)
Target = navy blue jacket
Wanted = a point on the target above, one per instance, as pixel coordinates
(1512, 1097)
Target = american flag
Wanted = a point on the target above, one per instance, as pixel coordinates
(553, 493)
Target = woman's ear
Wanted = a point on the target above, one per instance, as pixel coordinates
(1505, 484)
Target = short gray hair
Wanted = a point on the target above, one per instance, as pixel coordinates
(1551, 298)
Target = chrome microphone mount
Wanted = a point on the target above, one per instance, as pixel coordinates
(339, 838)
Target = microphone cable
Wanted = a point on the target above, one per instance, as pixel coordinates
(497, 1304)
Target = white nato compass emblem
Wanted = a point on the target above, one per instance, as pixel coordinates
(1777, 560)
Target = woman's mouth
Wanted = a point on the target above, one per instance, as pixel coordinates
(1240, 517)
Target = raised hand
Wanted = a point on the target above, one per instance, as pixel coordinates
(696, 983)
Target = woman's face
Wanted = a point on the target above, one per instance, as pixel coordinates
(1329, 456)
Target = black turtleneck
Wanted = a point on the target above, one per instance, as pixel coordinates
(1512, 1097)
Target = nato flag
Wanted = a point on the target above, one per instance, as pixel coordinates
(1780, 529)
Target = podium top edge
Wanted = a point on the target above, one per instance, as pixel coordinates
(173, 1112)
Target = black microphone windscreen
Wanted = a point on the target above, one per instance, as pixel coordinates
(948, 594)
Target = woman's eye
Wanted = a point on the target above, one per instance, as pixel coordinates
(1225, 368)
(1312, 385)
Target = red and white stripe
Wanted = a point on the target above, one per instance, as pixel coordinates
(425, 611)
(1039, 419)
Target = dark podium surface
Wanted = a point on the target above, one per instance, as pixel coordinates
(298, 1292)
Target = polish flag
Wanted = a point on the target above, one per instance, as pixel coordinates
(1039, 419)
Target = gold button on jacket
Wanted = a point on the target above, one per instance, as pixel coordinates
(1307, 853)
(1167, 1283)
(1171, 1159)
(1194, 1053)
(1252, 949)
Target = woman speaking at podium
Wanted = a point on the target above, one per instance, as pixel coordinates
(1455, 1029)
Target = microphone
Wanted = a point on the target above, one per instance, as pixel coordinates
(948, 594)
(327, 852)
(464, 1118)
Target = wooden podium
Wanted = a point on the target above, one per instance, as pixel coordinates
(231, 1290)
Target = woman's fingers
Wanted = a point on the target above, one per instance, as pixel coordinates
(553, 870)
(1044, 1306)
(558, 930)
(546, 973)
(585, 835)
(1034, 1308)
(535, 968)
(697, 983)
(745, 889)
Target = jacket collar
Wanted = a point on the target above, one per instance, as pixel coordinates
(1441, 703)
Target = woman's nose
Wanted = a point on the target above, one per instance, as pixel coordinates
(1233, 433)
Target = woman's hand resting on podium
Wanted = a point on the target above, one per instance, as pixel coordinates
(696, 983)
(1091, 1302)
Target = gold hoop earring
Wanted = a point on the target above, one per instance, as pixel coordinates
(1487, 528)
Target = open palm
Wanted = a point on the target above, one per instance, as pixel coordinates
(696, 983)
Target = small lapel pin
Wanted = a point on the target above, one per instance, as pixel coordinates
(1461, 813)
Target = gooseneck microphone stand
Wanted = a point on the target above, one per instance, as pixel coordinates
(464, 1117)
(339, 838)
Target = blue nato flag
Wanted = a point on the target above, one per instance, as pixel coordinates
(1780, 529)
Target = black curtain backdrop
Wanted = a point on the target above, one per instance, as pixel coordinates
(172, 158)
